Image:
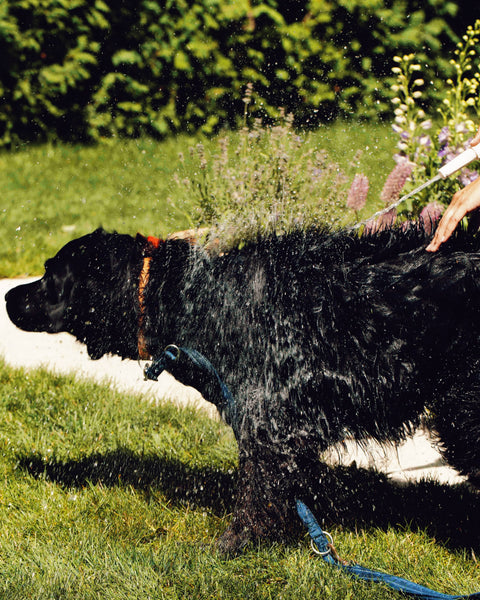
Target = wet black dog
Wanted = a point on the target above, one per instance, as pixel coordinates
(317, 335)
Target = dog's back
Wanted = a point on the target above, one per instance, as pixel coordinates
(361, 332)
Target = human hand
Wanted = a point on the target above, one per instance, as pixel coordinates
(463, 202)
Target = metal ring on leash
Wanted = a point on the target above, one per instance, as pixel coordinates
(316, 550)
(176, 349)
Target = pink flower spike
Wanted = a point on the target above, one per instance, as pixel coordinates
(383, 222)
(387, 220)
(430, 215)
(357, 194)
(395, 181)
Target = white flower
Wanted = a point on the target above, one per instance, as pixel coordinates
(426, 124)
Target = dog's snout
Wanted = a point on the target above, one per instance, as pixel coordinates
(25, 307)
(10, 302)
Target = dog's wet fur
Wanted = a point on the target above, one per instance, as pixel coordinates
(318, 335)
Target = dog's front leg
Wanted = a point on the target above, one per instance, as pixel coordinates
(261, 509)
(270, 478)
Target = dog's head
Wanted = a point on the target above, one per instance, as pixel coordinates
(75, 293)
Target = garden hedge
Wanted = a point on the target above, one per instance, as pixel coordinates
(87, 69)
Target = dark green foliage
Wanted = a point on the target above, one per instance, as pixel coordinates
(83, 69)
(49, 52)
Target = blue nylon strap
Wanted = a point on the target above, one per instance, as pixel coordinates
(396, 583)
(173, 353)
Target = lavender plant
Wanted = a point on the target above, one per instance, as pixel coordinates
(264, 179)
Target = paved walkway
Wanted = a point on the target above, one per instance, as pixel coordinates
(60, 353)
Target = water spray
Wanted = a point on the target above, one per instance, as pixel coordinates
(454, 165)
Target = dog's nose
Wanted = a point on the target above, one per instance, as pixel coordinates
(9, 298)
(10, 302)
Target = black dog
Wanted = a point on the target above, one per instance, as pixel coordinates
(318, 335)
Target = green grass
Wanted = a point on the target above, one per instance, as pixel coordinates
(53, 193)
(106, 496)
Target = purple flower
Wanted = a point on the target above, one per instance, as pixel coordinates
(445, 151)
(395, 181)
(444, 135)
(467, 176)
(425, 141)
(357, 194)
(461, 128)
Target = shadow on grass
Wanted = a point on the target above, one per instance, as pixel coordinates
(202, 486)
(360, 497)
(351, 496)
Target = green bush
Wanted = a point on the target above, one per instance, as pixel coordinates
(85, 69)
(49, 54)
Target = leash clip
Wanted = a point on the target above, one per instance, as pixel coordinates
(152, 370)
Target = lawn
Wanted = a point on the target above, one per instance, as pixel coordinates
(106, 496)
(53, 193)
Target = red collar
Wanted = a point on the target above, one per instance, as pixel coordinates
(151, 244)
(153, 241)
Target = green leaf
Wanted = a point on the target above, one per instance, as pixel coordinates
(180, 61)
(131, 107)
(126, 57)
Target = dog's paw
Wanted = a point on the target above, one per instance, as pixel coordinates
(233, 541)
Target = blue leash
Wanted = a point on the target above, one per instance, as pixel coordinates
(172, 354)
(321, 539)
(327, 551)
